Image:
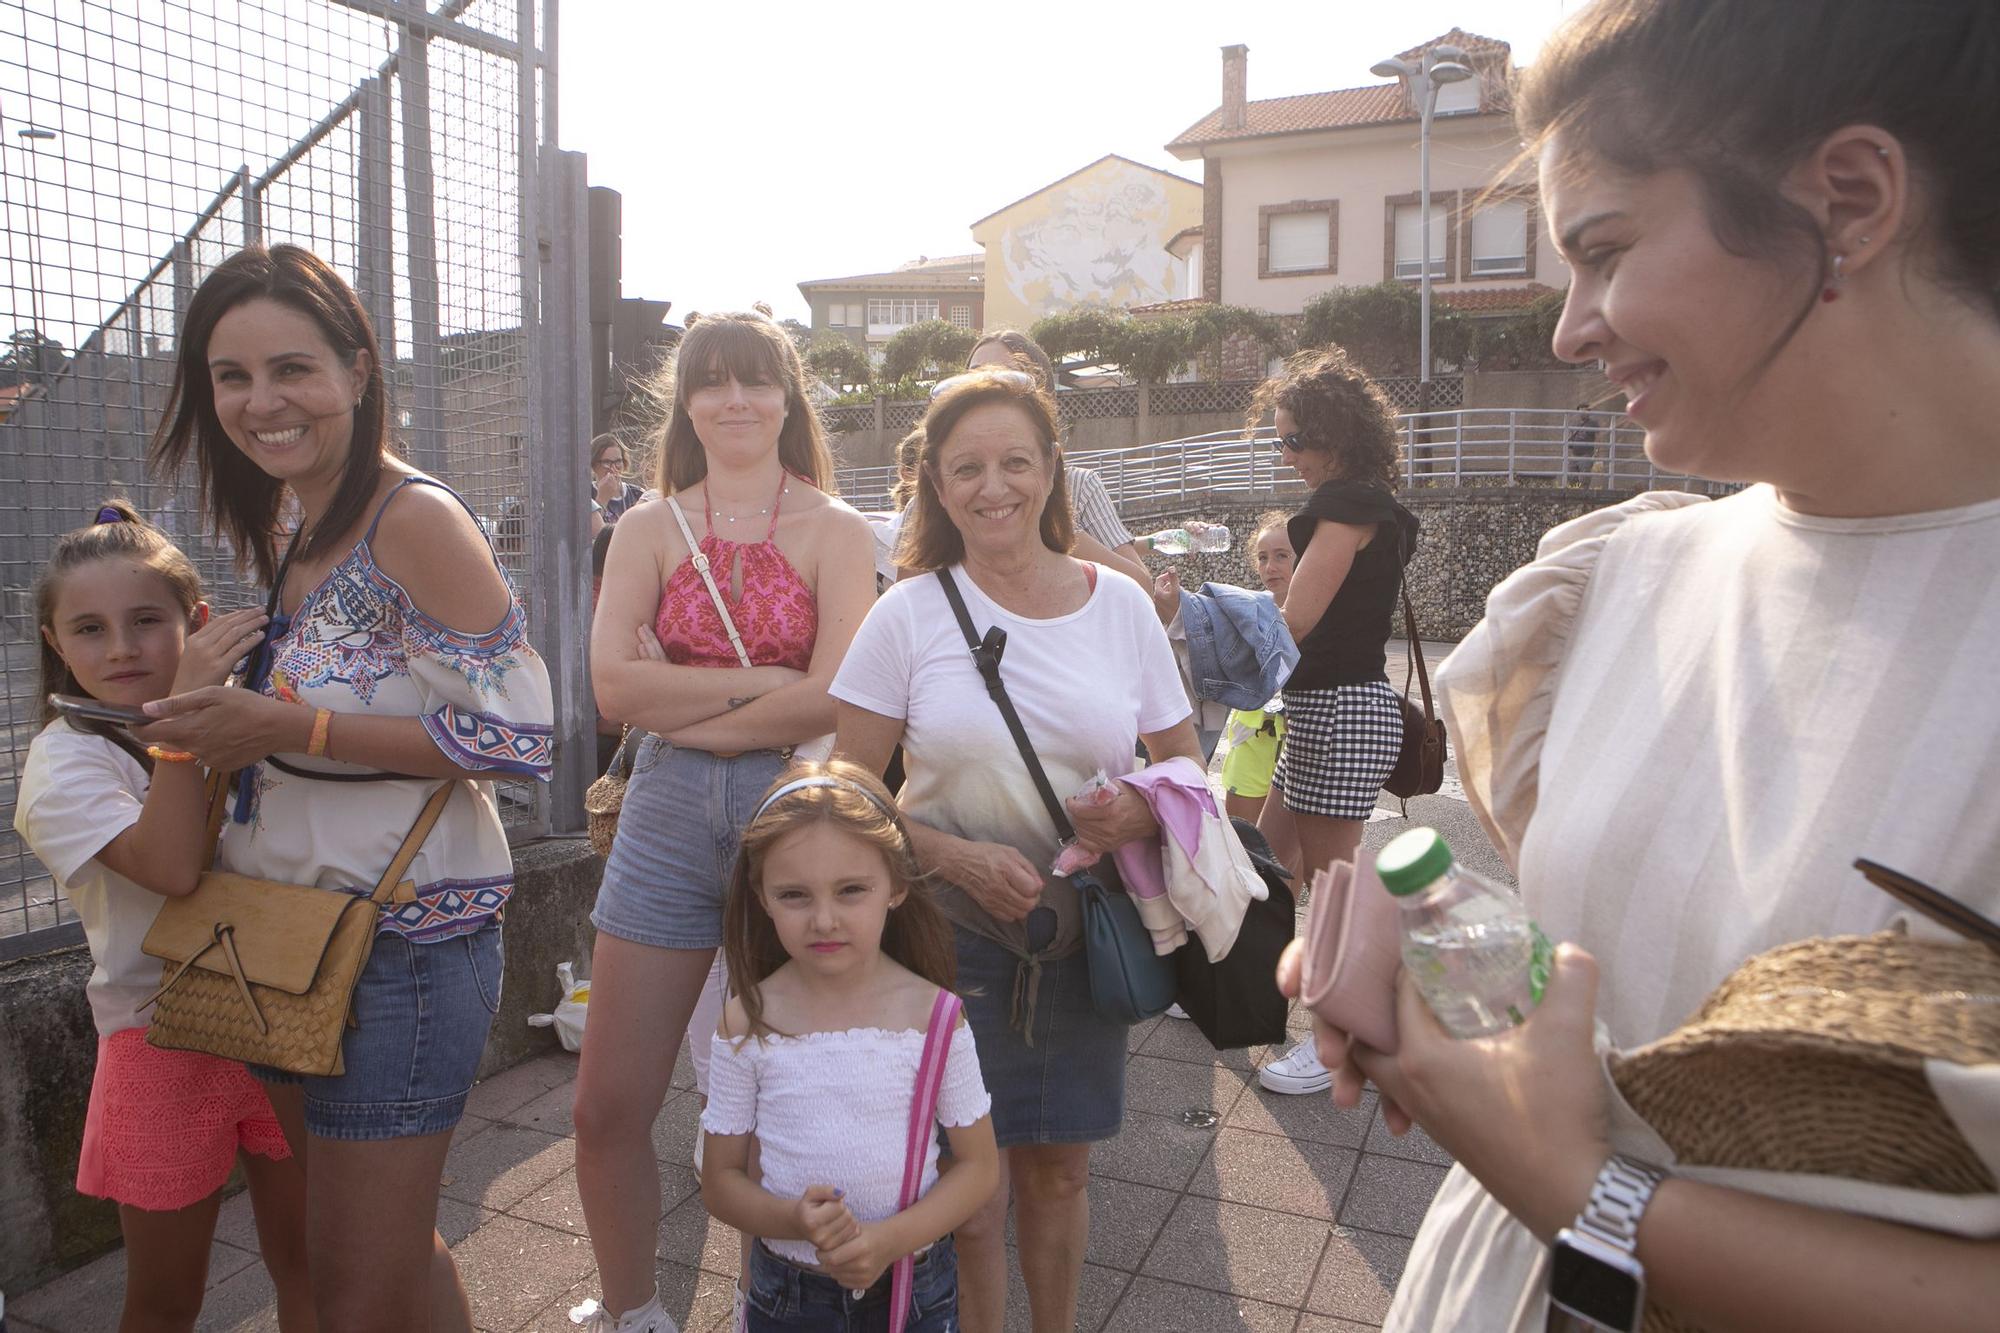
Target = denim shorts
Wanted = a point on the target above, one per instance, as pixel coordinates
(678, 831)
(1069, 1086)
(784, 1296)
(423, 1012)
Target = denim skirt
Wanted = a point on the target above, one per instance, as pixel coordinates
(1067, 1085)
(678, 831)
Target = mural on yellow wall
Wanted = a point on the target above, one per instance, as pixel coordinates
(1097, 237)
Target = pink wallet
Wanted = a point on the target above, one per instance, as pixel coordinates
(1353, 952)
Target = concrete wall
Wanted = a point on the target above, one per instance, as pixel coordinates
(1097, 236)
(1360, 169)
(1470, 540)
(48, 1051)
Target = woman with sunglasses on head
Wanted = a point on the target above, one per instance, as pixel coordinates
(745, 521)
(1090, 672)
(1343, 724)
(1685, 720)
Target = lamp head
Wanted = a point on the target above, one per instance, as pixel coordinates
(36, 132)
(1440, 54)
(1450, 72)
(1391, 68)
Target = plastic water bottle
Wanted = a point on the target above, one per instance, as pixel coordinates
(1477, 957)
(1212, 538)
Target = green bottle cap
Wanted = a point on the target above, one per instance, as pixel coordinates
(1413, 860)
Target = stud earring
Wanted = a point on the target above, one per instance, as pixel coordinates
(1831, 292)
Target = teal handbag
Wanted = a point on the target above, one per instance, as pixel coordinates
(1129, 982)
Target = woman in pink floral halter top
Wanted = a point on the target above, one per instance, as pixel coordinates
(745, 525)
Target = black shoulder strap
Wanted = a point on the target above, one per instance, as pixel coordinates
(986, 656)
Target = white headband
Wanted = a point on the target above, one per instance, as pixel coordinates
(823, 780)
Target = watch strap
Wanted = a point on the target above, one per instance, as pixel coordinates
(1618, 1198)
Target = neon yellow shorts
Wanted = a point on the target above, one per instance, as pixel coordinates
(1254, 738)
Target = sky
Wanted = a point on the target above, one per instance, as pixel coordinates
(759, 145)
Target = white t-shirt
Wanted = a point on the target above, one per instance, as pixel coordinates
(781, 1089)
(1087, 685)
(78, 792)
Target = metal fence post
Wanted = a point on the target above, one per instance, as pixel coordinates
(375, 273)
(425, 435)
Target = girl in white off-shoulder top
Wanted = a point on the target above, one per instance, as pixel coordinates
(839, 957)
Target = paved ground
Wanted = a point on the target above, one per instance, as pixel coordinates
(1221, 1206)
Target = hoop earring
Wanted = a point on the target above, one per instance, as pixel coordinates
(1831, 292)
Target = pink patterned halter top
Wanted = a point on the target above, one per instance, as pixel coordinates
(775, 612)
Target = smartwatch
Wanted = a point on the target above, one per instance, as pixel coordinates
(1594, 1276)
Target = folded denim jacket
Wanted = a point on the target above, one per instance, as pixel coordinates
(1239, 651)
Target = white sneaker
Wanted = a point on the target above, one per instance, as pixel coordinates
(648, 1318)
(1297, 1070)
(1175, 1011)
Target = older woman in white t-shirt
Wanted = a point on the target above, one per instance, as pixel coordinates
(1090, 671)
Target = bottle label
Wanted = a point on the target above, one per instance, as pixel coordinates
(1540, 961)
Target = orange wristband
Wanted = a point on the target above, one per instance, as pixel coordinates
(164, 756)
(322, 729)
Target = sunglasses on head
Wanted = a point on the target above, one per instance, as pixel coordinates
(1019, 379)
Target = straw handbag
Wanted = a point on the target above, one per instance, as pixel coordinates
(1810, 1059)
(264, 972)
(604, 798)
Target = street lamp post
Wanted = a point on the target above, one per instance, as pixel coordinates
(1440, 65)
(30, 136)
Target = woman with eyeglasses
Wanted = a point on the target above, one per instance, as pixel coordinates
(1087, 665)
(1343, 725)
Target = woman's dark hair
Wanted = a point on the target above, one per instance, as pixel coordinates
(916, 933)
(909, 449)
(752, 350)
(1019, 345)
(127, 537)
(608, 440)
(242, 499)
(1338, 410)
(1738, 92)
(930, 539)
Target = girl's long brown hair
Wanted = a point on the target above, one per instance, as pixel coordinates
(916, 933)
(752, 350)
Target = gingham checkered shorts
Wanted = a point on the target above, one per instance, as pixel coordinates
(1340, 746)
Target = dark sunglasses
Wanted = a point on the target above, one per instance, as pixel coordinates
(1291, 441)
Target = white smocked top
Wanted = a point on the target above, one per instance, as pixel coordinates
(833, 1108)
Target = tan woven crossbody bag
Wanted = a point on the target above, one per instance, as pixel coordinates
(264, 972)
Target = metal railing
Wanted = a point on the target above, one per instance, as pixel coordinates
(1470, 447)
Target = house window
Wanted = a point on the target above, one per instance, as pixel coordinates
(1299, 237)
(1409, 260)
(1499, 240)
(961, 316)
(898, 312)
(1458, 99)
(836, 315)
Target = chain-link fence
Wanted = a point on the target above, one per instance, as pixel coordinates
(410, 146)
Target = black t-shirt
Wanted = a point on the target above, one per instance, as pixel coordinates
(1346, 646)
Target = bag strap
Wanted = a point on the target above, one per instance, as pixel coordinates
(700, 559)
(923, 1121)
(413, 842)
(986, 656)
(1938, 906)
(1413, 645)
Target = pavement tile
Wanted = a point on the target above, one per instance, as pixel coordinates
(1100, 1292)
(514, 1269)
(1285, 1175)
(1172, 1039)
(1152, 1306)
(550, 1112)
(90, 1296)
(511, 1088)
(499, 1168)
(1319, 1323)
(1310, 1116)
(244, 1303)
(1124, 1219)
(1152, 1150)
(698, 1302)
(1358, 1274)
(675, 1128)
(689, 1236)
(1168, 1087)
(1390, 1194)
(1135, 1036)
(1415, 1146)
(1229, 1247)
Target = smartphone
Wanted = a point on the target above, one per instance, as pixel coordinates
(96, 710)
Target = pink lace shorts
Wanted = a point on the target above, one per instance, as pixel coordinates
(164, 1127)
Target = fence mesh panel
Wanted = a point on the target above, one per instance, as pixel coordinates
(145, 144)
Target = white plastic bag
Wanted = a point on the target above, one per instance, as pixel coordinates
(570, 1010)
